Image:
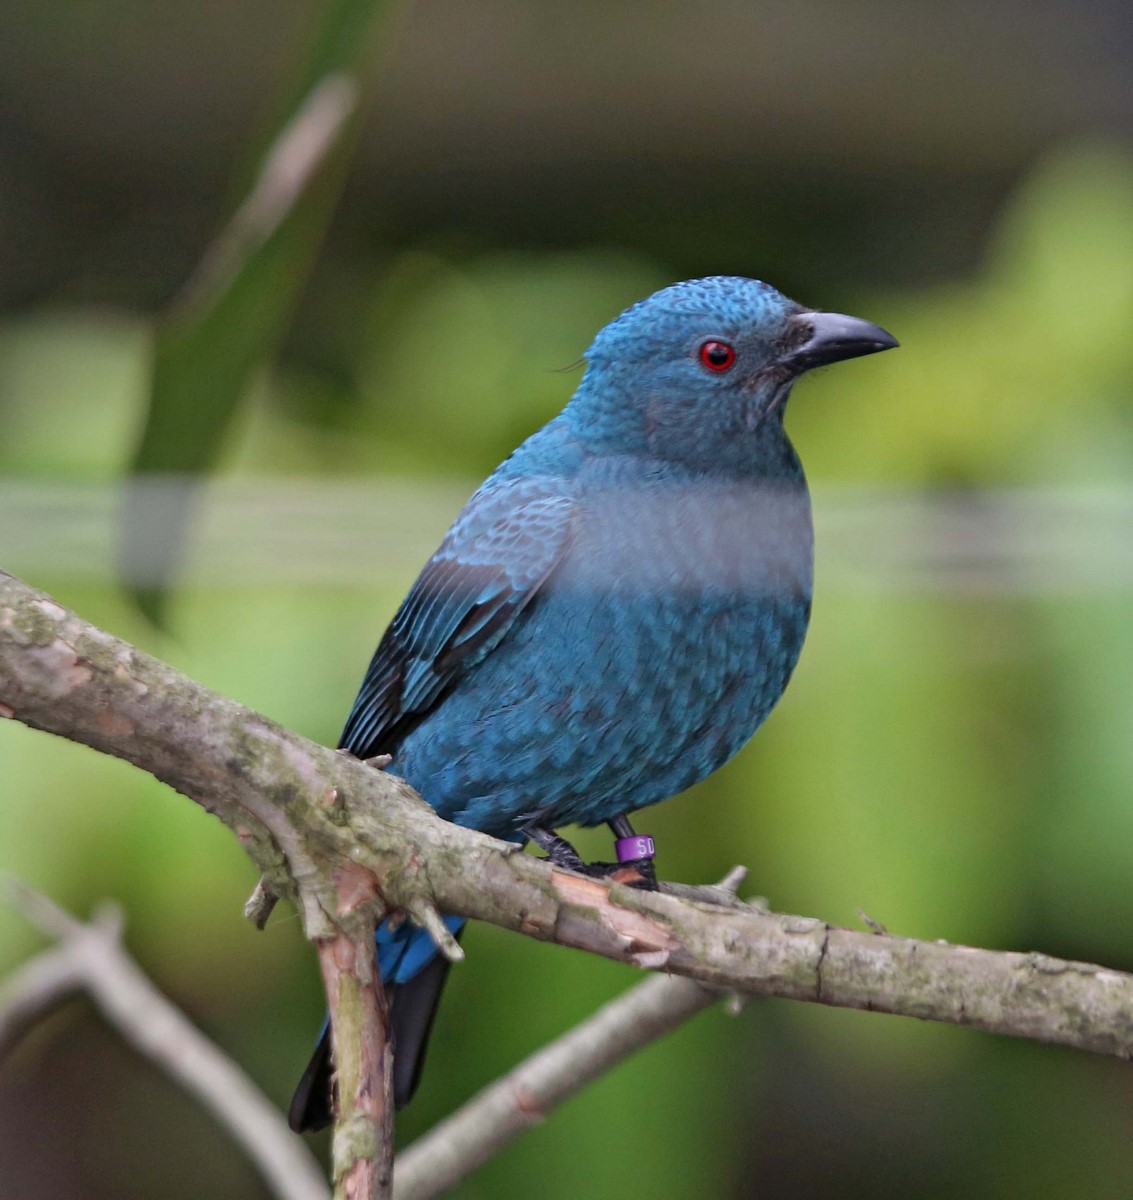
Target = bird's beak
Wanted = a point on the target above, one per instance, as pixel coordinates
(832, 337)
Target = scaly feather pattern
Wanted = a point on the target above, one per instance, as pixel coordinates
(616, 610)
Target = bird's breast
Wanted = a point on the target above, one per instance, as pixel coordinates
(652, 653)
(682, 609)
(709, 541)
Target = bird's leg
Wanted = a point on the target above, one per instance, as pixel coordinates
(621, 828)
(635, 852)
(557, 849)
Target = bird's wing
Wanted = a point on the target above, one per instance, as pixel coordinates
(490, 566)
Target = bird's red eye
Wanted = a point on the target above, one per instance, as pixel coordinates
(717, 356)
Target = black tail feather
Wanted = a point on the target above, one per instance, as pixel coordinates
(413, 1006)
(311, 1106)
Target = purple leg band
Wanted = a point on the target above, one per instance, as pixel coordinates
(631, 848)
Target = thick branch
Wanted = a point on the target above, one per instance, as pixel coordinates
(303, 811)
(91, 958)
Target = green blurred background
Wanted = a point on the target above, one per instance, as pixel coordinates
(955, 754)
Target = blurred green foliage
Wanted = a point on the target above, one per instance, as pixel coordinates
(956, 764)
(233, 312)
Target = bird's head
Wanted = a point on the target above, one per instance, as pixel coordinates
(699, 372)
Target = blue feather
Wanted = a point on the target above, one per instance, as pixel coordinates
(621, 604)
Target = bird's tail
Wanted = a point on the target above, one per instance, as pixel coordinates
(414, 973)
(312, 1102)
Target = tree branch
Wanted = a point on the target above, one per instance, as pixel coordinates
(525, 1095)
(91, 958)
(305, 813)
(363, 1058)
(35, 990)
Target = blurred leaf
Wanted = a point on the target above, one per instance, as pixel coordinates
(231, 314)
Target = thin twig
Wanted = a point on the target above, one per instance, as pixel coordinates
(32, 992)
(522, 1098)
(722, 894)
(90, 957)
(260, 905)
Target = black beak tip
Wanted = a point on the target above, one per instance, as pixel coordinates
(835, 337)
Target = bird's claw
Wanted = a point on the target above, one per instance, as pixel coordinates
(634, 872)
(559, 852)
(646, 871)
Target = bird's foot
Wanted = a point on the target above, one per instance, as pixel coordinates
(634, 872)
(635, 855)
(559, 851)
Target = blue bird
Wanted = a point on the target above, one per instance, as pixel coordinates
(616, 610)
